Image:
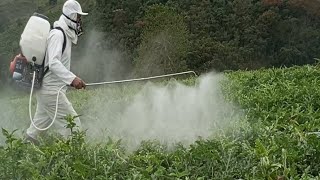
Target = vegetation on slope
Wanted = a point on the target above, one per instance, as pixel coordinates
(281, 108)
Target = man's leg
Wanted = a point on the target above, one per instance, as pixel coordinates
(41, 120)
(64, 108)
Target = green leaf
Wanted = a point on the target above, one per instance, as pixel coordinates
(260, 149)
(5, 132)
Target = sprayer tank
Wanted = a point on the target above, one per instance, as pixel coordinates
(34, 38)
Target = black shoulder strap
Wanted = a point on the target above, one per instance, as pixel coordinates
(64, 38)
(63, 46)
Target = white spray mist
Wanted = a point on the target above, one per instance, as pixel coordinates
(13, 113)
(98, 60)
(172, 113)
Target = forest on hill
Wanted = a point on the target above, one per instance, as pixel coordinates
(165, 36)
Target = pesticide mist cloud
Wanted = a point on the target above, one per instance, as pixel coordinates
(13, 114)
(98, 60)
(172, 113)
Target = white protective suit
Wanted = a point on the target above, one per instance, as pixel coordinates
(59, 74)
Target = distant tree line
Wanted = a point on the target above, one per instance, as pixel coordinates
(215, 34)
(162, 36)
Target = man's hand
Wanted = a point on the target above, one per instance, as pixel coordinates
(78, 83)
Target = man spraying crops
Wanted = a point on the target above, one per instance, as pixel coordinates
(58, 56)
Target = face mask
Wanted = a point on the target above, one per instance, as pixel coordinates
(78, 28)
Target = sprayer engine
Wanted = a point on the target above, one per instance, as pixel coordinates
(23, 72)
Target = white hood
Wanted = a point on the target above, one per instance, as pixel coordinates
(65, 23)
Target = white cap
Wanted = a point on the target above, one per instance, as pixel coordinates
(71, 7)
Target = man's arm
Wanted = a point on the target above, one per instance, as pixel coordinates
(54, 51)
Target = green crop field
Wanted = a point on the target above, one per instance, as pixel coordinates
(272, 140)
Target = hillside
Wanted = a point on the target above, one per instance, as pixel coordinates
(256, 116)
(269, 141)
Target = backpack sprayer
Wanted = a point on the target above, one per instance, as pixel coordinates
(33, 47)
(28, 68)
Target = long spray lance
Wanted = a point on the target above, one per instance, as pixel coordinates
(94, 84)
